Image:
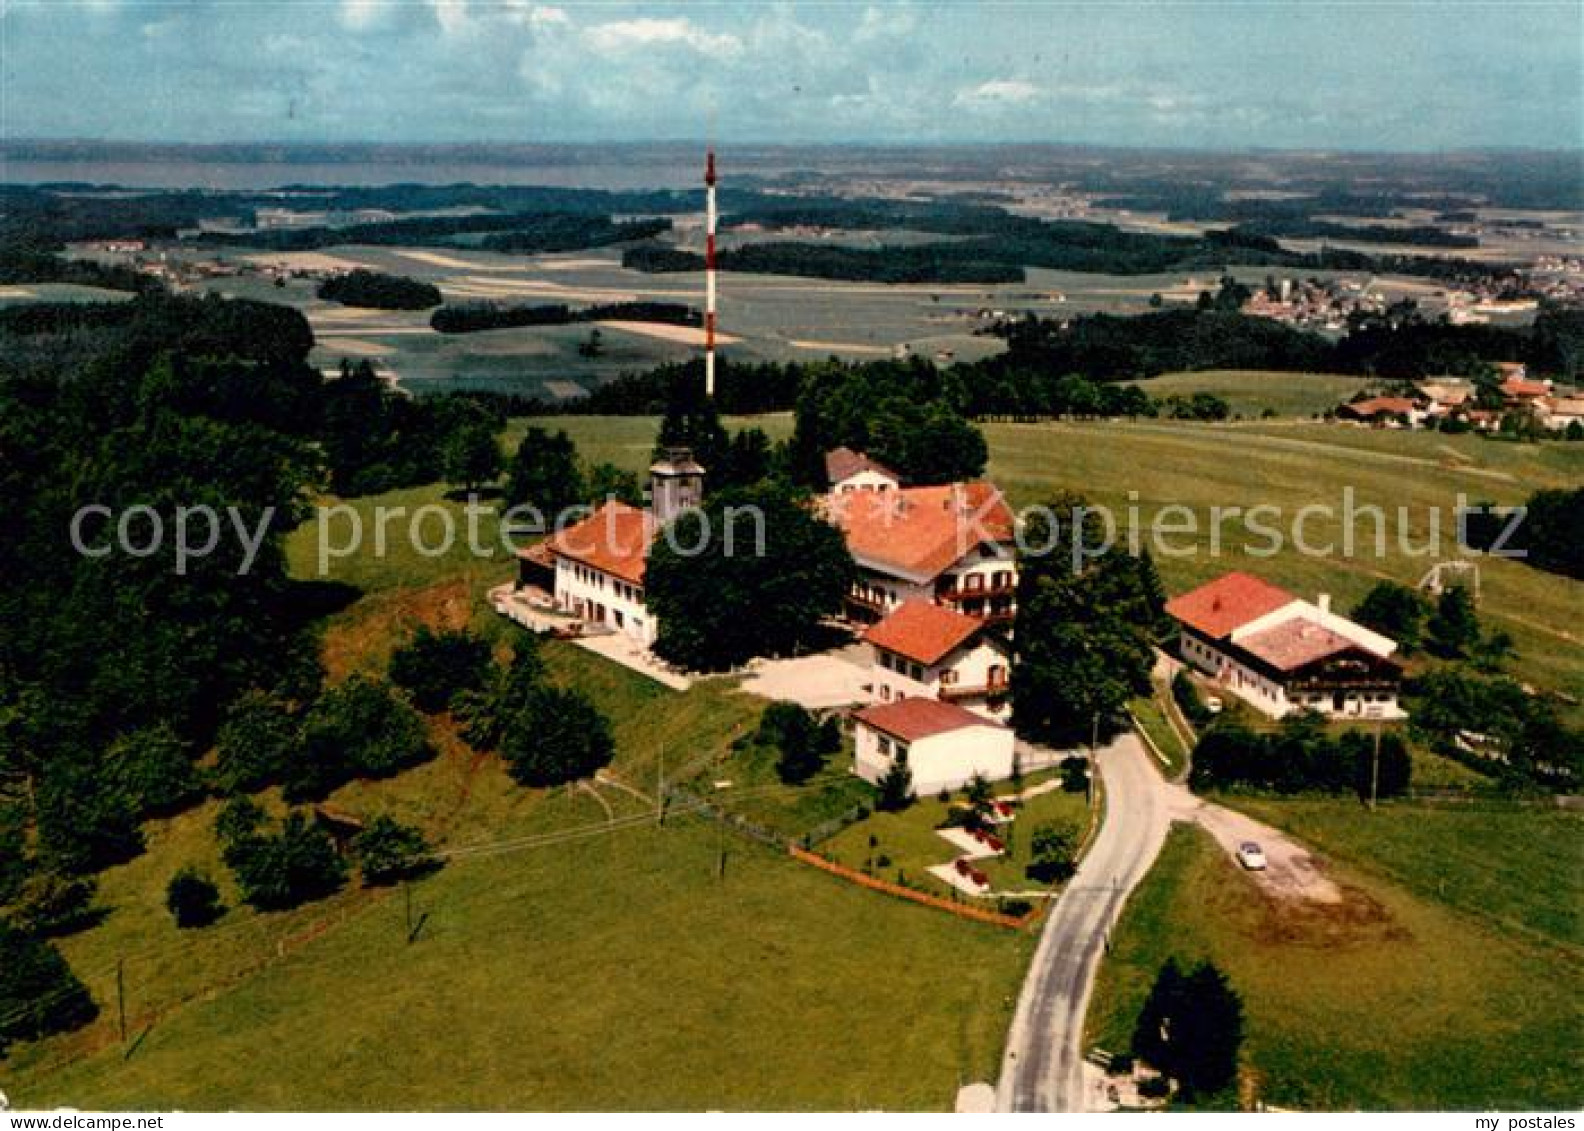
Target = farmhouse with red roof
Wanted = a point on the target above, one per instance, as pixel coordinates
(935, 652)
(950, 545)
(1282, 654)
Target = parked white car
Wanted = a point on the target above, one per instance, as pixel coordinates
(1251, 856)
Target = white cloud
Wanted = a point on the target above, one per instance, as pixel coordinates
(622, 35)
(998, 92)
(451, 15)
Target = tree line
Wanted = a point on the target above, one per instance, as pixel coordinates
(469, 318)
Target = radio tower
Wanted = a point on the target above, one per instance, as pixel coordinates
(709, 273)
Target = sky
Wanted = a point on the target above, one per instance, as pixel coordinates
(1369, 74)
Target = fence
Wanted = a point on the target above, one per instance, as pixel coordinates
(964, 911)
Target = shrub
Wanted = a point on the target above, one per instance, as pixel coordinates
(1186, 693)
(557, 736)
(388, 851)
(39, 994)
(433, 667)
(257, 743)
(1053, 848)
(297, 865)
(192, 899)
(895, 788)
(51, 903)
(1075, 774)
(359, 729)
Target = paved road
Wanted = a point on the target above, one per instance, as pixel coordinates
(1042, 1068)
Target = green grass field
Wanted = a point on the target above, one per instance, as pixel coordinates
(1251, 392)
(1514, 867)
(1391, 1001)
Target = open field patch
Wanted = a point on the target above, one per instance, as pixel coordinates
(1386, 1001)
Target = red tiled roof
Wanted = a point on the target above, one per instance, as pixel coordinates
(1293, 643)
(913, 719)
(1523, 387)
(923, 632)
(920, 531)
(614, 539)
(843, 463)
(1374, 406)
(1227, 603)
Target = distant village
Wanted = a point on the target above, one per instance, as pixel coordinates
(1506, 401)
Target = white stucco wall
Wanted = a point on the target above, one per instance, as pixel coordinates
(578, 588)
(943, 761)
(894, 677)
(867, 480)
(1270, 698)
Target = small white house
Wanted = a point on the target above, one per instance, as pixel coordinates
(942, 744)
(929, 650)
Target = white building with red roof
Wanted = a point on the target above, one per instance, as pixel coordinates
(950, 545)
(942, 745)
(1281, 654)
(595, 568)
(847, 471)
(931, 651)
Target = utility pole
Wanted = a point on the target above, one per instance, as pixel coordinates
(660, 789)
(1375, 769)
(1094, 740)
(121, 995)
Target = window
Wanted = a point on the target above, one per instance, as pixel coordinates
(948, 678)
(885, 694)
(917, 672)
(901, 752)
(975, 581)
(885, 746)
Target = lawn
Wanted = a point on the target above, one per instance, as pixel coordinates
(900, 846)
(1389, 1001)
(616, 971)
(1150, 714)
(1250, 393)
(1516, 867)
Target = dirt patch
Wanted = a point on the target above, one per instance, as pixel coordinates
(665, 331)
(363, 638)
(1355, 919)
(1291, 871)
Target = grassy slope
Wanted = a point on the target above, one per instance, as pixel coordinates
(615, 972)
(1251, 392)
(1391, 1002)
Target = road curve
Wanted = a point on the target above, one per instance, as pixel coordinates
(1042, 1067)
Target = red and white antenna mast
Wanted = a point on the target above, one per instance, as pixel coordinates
(709, 273)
